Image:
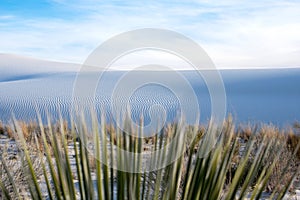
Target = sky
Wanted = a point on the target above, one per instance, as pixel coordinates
(235, 34)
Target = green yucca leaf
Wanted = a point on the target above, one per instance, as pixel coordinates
(290, 181)
(48, 155)
(33, 182)
(60, 162)
(227, 154)
(77, 161)
(213, 171)
(105, 158)
(67, 166)
(265, 174)
(239, 172)
(221, 175)
(112, 182)
(257, 162)
(287, 186)
(88, 186)
(268, 170)
(188, 167)
(11, 181)
(5, 191)
(44, 170)
(97, 156)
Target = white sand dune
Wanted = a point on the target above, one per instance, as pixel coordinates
(14, 67)
(256, 95)
(27, 84)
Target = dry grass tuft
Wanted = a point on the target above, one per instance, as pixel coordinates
(2, 130)
(245, 132)
(293, 142)
(9, 132)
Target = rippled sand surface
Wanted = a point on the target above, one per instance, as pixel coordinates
(252, 95)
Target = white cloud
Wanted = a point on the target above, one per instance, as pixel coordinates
(6, 17)
(234, 33)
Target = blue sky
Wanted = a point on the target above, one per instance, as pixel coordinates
(235, 34)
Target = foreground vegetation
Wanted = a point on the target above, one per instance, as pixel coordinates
(75, 161)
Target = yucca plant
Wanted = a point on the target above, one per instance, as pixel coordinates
(180, 162)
